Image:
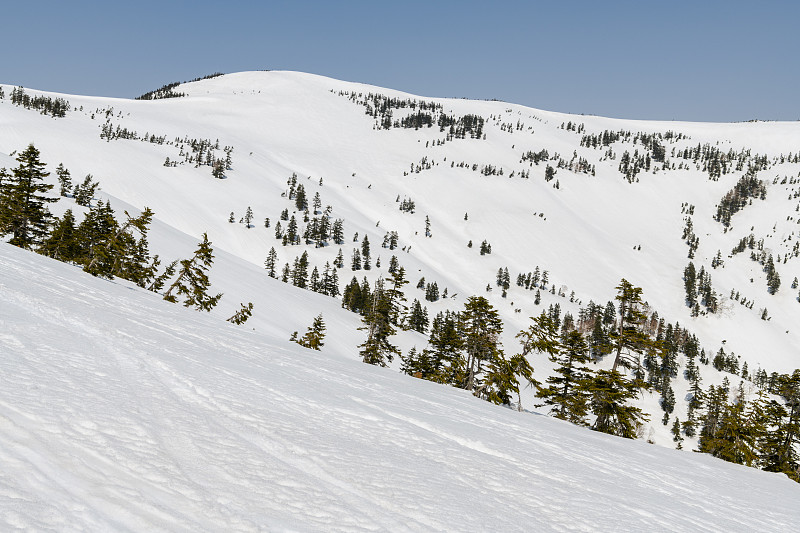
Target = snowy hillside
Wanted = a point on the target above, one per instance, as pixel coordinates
(119, 411)
(586, 233)
(535, 211)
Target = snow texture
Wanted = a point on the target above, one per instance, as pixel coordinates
(121, 412)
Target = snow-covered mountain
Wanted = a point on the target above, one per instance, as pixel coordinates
(622, 199)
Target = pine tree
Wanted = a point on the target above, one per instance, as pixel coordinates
(192, 282)
(567, 388)
(315, 335)
(418, 317)
(271, 262)
(291, 237)
(64, 180)
(777, 447)
(481, 328)
(676, 434)
(630, 338)
(395, 294)
(610, 391)
(442, 361)
(300, 271)
(300, 201)
(377, 320)
(241, 316)
(23, 206)
(117, 251)
(365, 257)
(62, 243)
(248, 217)
(738, 428)
(84, 193)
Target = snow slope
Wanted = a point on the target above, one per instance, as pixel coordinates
(586, 233)
(121, 412)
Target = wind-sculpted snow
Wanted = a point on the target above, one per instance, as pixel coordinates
(121, 412)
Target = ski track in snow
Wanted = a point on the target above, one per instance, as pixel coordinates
(120, 412)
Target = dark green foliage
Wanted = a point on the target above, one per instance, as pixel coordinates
(241, 316)
(773, 279)
(299, 276)
(609, 393)
(418, 317)
(271, 262)
(23, 205)
(676, 434)
(315, 335)
(566, 391)
(63, 242)
(377, 320)
(166, 91)
(749, 186)
(84, 193)
(365, 255)
(731, 430)
(481, 329)
(112, 248)
(441, 361)
(356, 297)
(432, 292)
(64, 180)
(56, 107)
(192, 282)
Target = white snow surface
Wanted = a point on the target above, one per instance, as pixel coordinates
(121, 412)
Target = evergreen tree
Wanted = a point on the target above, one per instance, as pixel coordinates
(630, 338)
(192, 282)
(291, 236)
(300, 271)
(481, 329)
(64, 180)
(365, 257)
(118, 251)
(62, 243)
(23, 206)
(314, 282)
(609, 393)
(315, 335)
(567, 388)
(300, 201)
(777, 446)
(442, 361)
(676, 434)
(396, 296)
(377, 320)
(737, 430)
(84, 193)
(248, 217)
(271, 262)
(418, 317)
(241, 316)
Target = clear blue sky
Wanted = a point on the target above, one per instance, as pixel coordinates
(683, 60)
